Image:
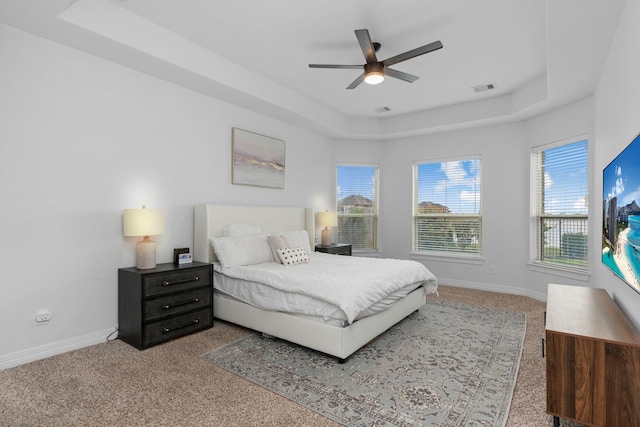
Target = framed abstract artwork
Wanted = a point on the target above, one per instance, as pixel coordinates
(258, 160)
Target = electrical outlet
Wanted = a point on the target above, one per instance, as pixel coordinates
(43, 316)
(492, 269)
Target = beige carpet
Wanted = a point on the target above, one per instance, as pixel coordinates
(113, 384)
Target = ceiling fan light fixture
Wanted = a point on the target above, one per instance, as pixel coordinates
(374, 73)
(374, 77)
(375, 70)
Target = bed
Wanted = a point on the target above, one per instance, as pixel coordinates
(333, 335)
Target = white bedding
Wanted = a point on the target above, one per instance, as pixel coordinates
(355, 285)
(272, 299)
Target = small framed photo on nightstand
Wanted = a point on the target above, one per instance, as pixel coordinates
(184, 258)
(180, 251)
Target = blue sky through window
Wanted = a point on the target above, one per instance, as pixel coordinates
(356, 180)
(454, 184)
(566, 178)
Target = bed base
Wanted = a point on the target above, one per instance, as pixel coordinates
(340, 342)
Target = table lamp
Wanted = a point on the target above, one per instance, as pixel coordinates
(144, 222)
(326, 219)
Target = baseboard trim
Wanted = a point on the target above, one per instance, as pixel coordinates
(42, 352)
(491, 287)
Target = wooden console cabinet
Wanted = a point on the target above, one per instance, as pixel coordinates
(593, 359)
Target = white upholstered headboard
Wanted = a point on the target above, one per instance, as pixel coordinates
(209, 220)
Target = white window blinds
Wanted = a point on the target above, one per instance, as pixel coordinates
(559, 187)
(357, 206)
(447, 207)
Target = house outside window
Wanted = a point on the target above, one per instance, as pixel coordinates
(357, 206)
(559, 188)
(447, 215)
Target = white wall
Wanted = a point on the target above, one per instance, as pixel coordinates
(609, 120)
(505, 152)
(617, 113)
(504, 160)
(81, 139)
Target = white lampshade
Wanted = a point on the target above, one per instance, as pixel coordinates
(144, 222)
(326, 219)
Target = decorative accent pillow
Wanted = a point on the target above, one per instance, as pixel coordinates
(297, 238)
(290, 256)
(236, 230)
(242, 250)
(277, 242)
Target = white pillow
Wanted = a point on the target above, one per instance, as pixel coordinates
(275, 243)
(297, 238)
(242, 250)
(290, 256)
(236, 230)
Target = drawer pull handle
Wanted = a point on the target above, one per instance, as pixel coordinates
(178, 304)
(168, 283)
(167, 330)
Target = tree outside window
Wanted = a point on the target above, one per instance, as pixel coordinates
(447, 216)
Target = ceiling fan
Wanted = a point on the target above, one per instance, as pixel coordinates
(374, 70)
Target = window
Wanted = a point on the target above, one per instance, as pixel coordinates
(357, 206)
(559, 207)
(447, 217)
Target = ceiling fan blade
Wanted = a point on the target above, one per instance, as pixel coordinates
(400, 75)
(356, 82)
(413, 53)
(365, 44)
(348, 67)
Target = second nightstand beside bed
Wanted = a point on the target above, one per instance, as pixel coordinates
(335, 248)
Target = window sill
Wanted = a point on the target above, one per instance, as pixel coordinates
(458, 259)
(557, 271)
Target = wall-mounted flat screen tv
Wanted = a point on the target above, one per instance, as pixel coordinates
(621, 215)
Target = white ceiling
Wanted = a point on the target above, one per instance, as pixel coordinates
(255, 53)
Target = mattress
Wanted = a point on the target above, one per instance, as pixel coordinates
(220, 297)
(261, 292)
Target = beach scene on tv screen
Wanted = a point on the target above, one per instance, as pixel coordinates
(621, 215)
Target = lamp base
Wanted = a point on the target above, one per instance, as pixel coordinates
(326, 237)
(146, 254)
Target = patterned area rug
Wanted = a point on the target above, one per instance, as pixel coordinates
(447, 364)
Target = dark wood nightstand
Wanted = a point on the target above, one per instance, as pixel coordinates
(335, 248)
(163, 303)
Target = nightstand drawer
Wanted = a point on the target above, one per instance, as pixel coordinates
(176, 304)
(177, 326)
(161, 284)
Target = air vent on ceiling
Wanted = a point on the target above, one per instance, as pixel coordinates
(483, 88)
(382, 110)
